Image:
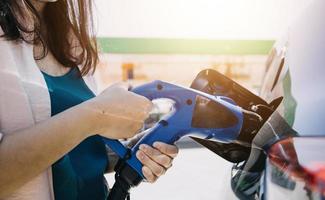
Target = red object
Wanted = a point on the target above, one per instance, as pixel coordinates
(301, 158)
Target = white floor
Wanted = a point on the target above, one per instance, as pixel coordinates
(196, 174)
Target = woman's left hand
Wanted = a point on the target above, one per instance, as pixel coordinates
(156, 160)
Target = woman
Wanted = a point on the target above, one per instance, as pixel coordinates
(50, 119)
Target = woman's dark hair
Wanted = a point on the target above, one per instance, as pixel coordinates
(69, 30)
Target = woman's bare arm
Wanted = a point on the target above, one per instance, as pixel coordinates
(26, 153)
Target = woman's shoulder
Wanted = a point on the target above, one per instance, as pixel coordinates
(11, 47)
(14, 56)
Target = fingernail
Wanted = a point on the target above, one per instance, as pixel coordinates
(140, 155)
(157, 144)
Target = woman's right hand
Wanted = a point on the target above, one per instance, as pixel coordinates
(116, 113)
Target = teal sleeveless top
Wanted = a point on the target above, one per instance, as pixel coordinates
(79, 175)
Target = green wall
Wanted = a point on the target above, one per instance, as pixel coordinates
(116, 45)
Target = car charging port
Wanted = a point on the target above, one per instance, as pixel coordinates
(256, 111)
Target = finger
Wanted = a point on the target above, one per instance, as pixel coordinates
(154, 167)
(170, 150)
(156, 155)
(150, 177)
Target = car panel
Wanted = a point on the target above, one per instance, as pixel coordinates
(301, 81)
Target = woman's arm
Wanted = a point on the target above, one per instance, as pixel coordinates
(26, 153)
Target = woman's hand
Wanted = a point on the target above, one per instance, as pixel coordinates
(156, 160)
(117, 113)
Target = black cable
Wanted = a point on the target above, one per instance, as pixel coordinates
(125, 178)
(120, 190)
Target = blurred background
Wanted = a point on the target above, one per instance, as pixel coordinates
(172, 40)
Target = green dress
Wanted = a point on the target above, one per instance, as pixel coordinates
(80, 173)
